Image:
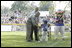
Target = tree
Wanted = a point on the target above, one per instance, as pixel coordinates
(19, 5)
(44, 5)
(68, 5)
(51, 8)
(47, 6)
(24, 6)
(4, 10)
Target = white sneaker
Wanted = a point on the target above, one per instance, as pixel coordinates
(39, 41)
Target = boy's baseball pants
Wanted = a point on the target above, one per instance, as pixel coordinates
(59, 29)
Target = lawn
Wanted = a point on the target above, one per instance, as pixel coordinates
(17, 39)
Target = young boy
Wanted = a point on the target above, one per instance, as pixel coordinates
(44, 27)
(59, 24)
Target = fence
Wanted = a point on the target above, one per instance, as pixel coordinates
(22, 27)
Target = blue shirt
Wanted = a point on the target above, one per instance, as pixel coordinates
(59, 22)
(48, 21)
(45, 27)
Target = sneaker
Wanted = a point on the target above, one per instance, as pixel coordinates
(29, 41)
(40, 41)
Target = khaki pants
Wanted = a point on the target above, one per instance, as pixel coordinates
(28, 29)
(59, 29)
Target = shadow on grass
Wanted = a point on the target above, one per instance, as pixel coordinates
(20, 41)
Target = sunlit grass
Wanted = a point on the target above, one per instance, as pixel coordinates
(18, 39)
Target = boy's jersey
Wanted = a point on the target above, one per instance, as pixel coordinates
(48, 21)
(59, 22)
(44, 27)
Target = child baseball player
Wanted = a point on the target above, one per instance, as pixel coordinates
(44, 27)
(59, 24)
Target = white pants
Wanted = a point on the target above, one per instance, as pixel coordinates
(44, 36)
(59, 29)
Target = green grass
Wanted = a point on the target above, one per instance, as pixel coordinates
(17, 39)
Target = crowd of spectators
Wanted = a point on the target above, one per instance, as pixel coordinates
(21, 19)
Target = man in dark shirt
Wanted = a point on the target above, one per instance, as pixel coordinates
(32, 25)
